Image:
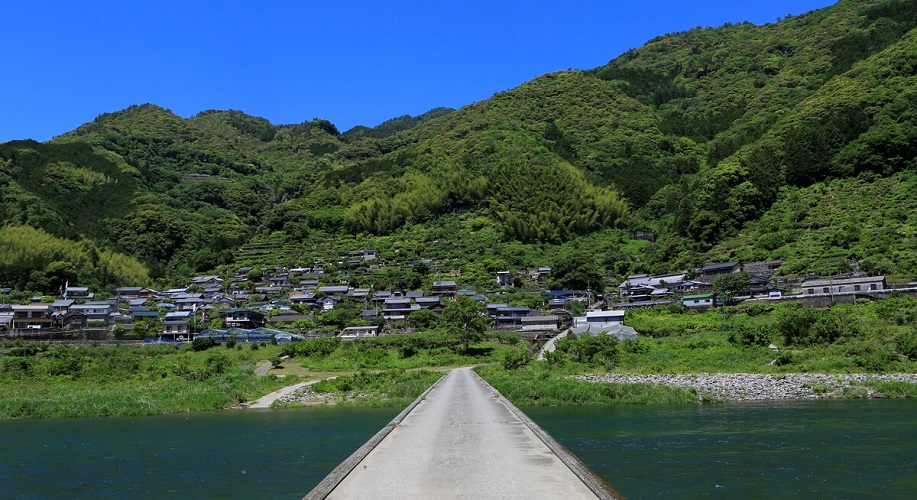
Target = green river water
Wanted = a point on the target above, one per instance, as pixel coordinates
(802, 449)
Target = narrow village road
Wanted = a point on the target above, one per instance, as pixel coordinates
(462, 441)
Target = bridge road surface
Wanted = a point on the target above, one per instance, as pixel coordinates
(463, 441)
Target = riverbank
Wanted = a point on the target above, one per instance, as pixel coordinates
(384, 389)
(764, 387)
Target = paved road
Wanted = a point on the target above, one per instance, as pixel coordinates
(551, 344)
(462, 441)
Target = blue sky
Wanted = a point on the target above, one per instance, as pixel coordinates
(353, 63)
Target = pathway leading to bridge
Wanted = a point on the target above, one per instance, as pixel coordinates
(462, 440)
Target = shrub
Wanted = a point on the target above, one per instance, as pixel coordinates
(807, 327)
(794, 325)
(750, 335)
(16, 365)
(637, 346)
(217, 363)
(515, 358)
(407, 351)
(875, 360)
(554, 358)
(202, 343)
(320, 347)
(906, 344)
(601, 349)
(784, 358)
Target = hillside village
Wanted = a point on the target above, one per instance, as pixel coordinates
(283, 305)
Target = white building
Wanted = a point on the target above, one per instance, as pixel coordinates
(604, 319)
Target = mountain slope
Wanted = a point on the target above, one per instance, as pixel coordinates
(703, 137)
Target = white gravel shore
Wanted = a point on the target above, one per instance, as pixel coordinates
(761, 387)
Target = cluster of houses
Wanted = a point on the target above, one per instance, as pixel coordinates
(696, 291)
(277, 301)
(280, 300)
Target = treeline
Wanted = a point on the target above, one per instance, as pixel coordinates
(31, 259)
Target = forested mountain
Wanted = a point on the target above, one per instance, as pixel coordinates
(792, 140)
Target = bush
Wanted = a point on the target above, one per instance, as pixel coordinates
(217, 363)
(202, 343)
(515, 358)
(784, 358)
(554, 358)
(906, 344)
(601, 349)
(794, 325)
(637, 346)
(320, 347)
(750, 335)
(875, 360)
(807, 327)
(407, 351)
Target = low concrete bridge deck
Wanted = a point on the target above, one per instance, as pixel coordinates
(462, 439)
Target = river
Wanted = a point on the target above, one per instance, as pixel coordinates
(817, 449)
(798, 449)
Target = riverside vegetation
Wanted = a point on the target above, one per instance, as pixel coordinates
(867, 338)
(41, 380)
(38, 380)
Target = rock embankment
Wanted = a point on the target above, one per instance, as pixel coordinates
(761, 387)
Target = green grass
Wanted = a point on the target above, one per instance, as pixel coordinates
(43, 381)
(386, 389)
(870, 337)
(893, 389)
(393, 352)
(539, 385)
(38, 381)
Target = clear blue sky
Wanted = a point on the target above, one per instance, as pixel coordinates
(353, 63)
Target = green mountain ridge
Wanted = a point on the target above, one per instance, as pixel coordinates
(708, 138)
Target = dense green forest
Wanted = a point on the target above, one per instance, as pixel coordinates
(794, 140)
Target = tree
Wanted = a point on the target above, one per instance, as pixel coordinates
(255, 275)
(729, 285)
(466, 320)
(578, 270)
(423, 319)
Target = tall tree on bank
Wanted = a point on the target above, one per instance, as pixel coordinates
(466, 320)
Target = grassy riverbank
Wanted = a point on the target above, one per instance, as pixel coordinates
(387, 389)
(753, 338)
(38, 380)
(539, 385)
(391, 371)
(870, 337)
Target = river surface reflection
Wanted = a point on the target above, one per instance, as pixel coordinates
(229, 454)
(799, 449)
(817, 449)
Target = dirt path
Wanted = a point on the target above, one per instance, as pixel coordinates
(268, 400)
(262, 368)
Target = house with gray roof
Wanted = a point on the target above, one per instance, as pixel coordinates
(839, 286)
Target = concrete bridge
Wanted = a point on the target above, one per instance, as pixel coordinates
(462, 439)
